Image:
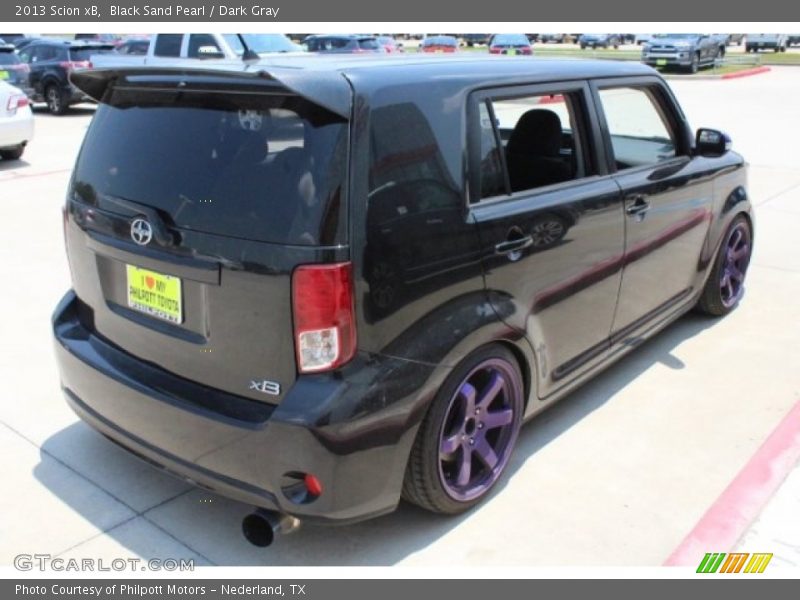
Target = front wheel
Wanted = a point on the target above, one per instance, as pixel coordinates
(695, 65)
(725, 286)
(466, 439)
(13, 153)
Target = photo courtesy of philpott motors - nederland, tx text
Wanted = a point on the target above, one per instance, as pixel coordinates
(179, 10)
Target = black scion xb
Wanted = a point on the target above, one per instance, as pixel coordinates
(317, 285)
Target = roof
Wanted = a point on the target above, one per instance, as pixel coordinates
(330, 80)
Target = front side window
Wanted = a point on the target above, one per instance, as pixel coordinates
(200, 44)
(640, 132)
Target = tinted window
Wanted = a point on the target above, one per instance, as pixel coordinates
(168, 44)
(368, 44)
(261, 42)
(201, 40)
(268, 168)
(639, 131)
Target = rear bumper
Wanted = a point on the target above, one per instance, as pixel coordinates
(16, 130)
(353, 429)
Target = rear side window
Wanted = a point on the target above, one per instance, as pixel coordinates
(259, 167)
(640, 132)
(168, 44)
(527, 142)
(368, 44)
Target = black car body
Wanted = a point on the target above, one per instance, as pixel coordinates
(342, 237)
(51, 62)
(13, 70)
(690, 51)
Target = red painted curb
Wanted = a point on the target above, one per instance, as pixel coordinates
(744, 498)
(746, 73)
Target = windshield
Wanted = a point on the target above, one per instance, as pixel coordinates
(510, 39)
(261, 43)
(259, 167)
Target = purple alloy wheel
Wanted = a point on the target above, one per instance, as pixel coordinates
(737, 257)
(479, 430)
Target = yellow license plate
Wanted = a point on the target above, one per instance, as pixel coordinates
(512, 52)
(661, 62)
(4, 75)
(154, 293)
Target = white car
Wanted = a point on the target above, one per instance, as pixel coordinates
(16, 122)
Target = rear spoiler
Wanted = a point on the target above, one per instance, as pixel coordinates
(327, 88)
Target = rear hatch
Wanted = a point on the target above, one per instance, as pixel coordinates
(193, 199)
(12, 69)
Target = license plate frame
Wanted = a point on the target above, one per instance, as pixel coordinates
(155, 294)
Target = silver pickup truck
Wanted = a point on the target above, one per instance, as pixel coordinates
(169, 47)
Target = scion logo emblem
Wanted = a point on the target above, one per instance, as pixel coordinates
(141, 232)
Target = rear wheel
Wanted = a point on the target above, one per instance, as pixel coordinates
(13, 153)
(467, 437)
(725, 285)
(56, 103)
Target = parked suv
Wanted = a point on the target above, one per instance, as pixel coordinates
(686, 50)
(12, 70)
(51, 61)
(336, 283)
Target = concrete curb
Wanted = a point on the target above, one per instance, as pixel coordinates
(735, 75)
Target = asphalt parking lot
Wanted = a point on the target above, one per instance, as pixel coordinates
(616, 474)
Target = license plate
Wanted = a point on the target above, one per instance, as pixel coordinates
(4, 75)
(661, 62)
(512, 52)
(155, 294)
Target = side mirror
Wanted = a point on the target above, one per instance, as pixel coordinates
(711, 143)
(209, 52)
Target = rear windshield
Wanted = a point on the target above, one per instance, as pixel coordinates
(259, 167)
(509, 40)
(83, 54)
(8, 58)
(368, 44)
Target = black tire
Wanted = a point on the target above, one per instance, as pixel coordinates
(711, 301)
(56, 102)
(13, 154)
(423, 484)
(583, 46)
(695, 66)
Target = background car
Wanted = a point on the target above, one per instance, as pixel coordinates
(600, 40)
(510, 43)
(792, 39)
(473, 39)
(12, 70)
(552, 38)
(16, 122)
(343, 44)
(686, 50)
(777, 42)
(134, 47)
(439, 43)
(389, 44)
(51, 62)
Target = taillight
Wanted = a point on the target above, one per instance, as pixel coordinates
(16, 101)
(69, 65)
(324, 318)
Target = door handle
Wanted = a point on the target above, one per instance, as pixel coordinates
(515, 245)
(637, 205)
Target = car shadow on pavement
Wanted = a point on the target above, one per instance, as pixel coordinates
(12, 165)
(209, 525)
